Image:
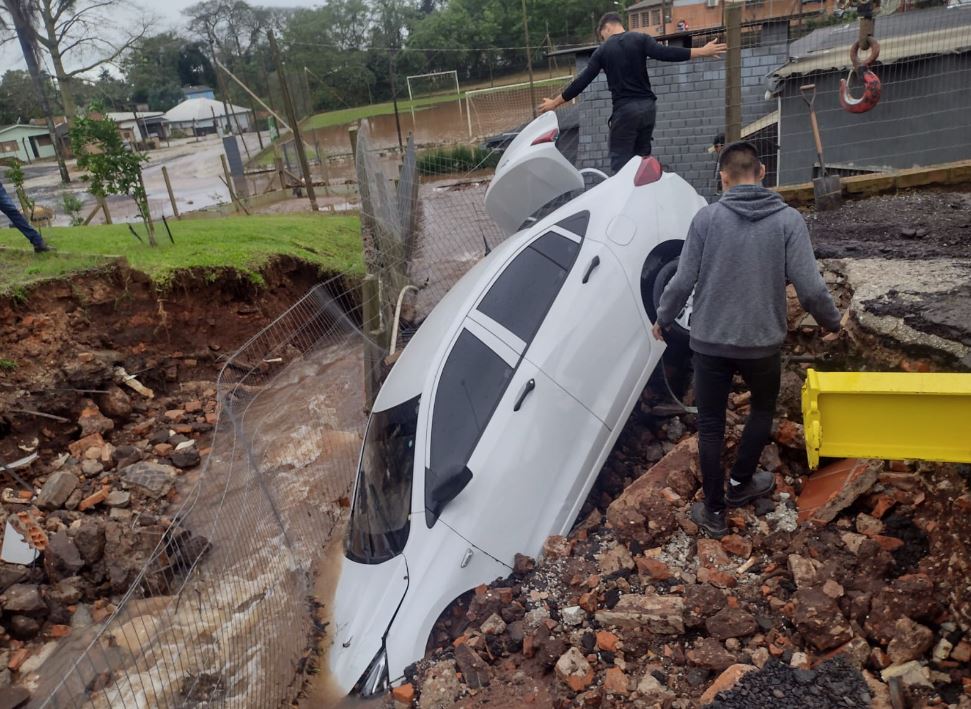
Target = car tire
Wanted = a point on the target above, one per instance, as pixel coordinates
(662, 277)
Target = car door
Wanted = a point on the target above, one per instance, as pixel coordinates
(594, 342)
(536, 453)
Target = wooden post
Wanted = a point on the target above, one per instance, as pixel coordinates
(371, 311)
(529, 62)
(104, 208)
(294, 124)
(87, 219)
(733, 71)
(149, 224)
(352, 135)
(168, 186)
(229, 181)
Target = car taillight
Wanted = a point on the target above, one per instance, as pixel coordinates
(648, 172)
(549, 137)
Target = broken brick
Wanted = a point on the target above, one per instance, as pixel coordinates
(737, 545)
(405, 694)
(95, 499)
(836, 487)
(607, 641)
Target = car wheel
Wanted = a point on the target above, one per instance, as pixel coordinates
(681, 327)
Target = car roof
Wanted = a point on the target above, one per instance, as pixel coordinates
(421, 356)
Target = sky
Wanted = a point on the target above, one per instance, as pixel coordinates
(170, 17)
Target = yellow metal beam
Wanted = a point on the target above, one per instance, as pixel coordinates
(889, 415)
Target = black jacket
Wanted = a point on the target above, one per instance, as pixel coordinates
(623, 58)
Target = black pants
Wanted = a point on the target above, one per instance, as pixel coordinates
(713, 382)
(631, 130)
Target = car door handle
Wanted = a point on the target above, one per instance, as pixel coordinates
(530, 385)
(594, 262)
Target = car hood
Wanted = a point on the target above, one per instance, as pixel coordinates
(365, 603)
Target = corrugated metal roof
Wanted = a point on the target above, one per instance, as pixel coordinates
(922, 33)
(34, 130)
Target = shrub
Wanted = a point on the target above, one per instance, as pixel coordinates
(456, 158)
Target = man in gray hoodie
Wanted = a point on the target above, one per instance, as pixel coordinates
(739, 254)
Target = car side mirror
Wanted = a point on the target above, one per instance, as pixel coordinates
(442, 488)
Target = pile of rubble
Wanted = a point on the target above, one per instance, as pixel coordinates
(90, 518)
(846, 588)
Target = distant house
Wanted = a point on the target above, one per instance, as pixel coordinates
(198, 92)
(198, 116)
(924, 114)
(26, 142)
(664, 17)
(138, 126)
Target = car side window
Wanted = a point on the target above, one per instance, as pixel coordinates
(522, 295)
(473, 381)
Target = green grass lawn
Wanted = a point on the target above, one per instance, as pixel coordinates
(246, 244)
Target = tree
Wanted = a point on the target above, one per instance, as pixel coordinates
(20, 18)
(158, 66)
(19, 101)
(112, 167)
(85, 34)
(330, 43)
(106, 91)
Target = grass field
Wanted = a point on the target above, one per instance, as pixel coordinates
(245, 244)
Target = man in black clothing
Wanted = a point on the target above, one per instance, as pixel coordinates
(623, 57)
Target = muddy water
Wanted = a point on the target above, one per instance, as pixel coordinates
(441, 124)
(270, 504)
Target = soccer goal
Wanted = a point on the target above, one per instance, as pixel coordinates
(437, 83)
(502, 108)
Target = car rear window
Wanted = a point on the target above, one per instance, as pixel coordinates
(524, 292)
(473, 381)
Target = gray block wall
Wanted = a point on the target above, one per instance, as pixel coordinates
(690, 109)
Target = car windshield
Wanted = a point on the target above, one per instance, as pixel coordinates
(380, 512)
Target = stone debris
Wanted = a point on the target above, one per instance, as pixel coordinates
(56, 490)
(574, 670)
(89, 539)
(835, 487)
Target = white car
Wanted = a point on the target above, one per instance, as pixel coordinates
(492, 426)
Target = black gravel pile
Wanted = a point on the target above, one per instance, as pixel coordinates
(833, 685)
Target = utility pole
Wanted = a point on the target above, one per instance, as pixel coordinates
(25, 34)
(294, 125)
(529, 61)
(221, 82)
(733, 71)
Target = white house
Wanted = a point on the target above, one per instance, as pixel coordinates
(199, 115)
(139, 125)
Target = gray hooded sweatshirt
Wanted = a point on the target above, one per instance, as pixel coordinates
(740, 253)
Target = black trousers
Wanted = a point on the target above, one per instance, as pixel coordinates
(631, 131)
(713, 382)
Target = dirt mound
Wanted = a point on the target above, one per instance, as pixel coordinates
(911, 225)
(833, 685)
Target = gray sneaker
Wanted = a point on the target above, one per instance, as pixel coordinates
(712, 522)
(762, 483)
